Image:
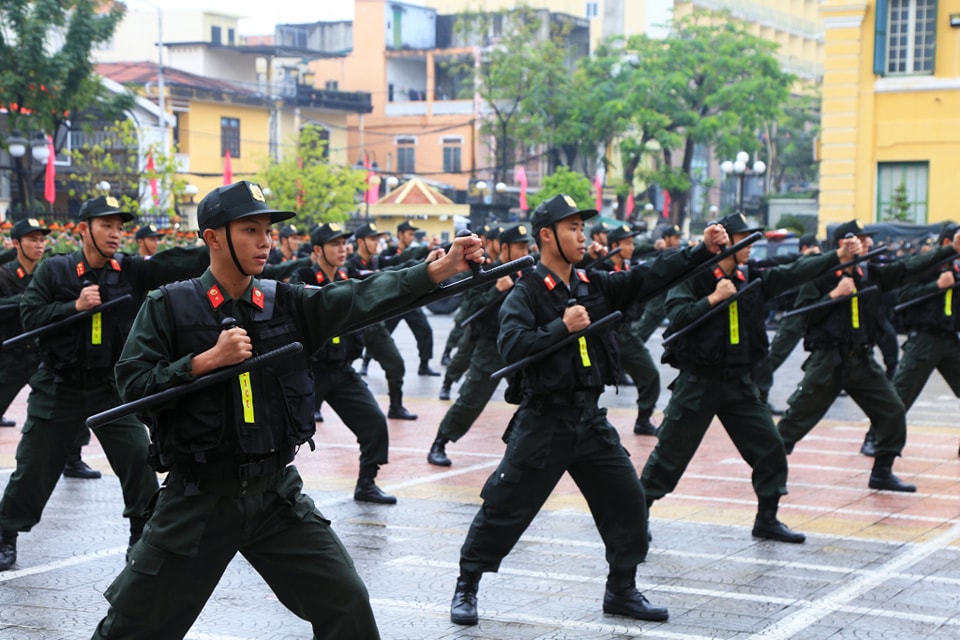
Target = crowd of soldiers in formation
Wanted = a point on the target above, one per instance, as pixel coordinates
(842, 296)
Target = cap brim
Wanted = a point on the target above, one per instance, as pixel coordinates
(125, 216)
(586, 214)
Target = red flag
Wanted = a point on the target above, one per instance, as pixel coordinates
(49, 186)
(227, 168)
(666, 203)
(152, 168)
(369, 197)
(520, 175)
(628, 207)
(598, 185)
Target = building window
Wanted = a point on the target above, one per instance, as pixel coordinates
(215, 35)
(406, 155)
(231, 37)
(451, 153)
(331, 85)
(230, 137)
(909, 35)
(593, 9)
(902, 191)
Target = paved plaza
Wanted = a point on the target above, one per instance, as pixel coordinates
(875, 565)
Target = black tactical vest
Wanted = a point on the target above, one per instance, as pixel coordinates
(854, 323)
(96, 342)
(269, 411)
(339, 349)
(591, 362)
(487, 326)
(939, 314)
(734, 337)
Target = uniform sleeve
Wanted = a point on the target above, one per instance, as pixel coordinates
(625, 287)
(683, 306)
(914, 291)
(345, 306)
(171, 265)
(891, 276)
(785, 277)
(519, 334)
(145, 367)
(38, 306)
(284, 270)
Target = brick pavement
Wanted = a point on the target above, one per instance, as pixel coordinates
(874, 565)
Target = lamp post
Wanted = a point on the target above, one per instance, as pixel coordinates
(742, 170)
(17, 147)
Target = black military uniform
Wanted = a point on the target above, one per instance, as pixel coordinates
(931, 324)
(229, 488)
(634, 357)
(76, 377)
(394, 256)
(840, 338)
(289, 236)
(716, 361)
(559, 428)
(336, 383)
(478, 388)
(379, 343)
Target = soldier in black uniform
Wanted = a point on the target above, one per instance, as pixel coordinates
(634, 357)
(334, 380)
(76, 377)
(403, 254)
(148, 240)
(559, 428)
(931, 326)
(229, 488)
(840, 338)
(478, 388)
(379, 342)
(716, 361)
(654, 312)
(288, 246)
(457, 332)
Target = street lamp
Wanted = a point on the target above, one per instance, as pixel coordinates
(17, 147)
(740, 168)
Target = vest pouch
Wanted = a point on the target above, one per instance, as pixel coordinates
(197, 426)
(296, 389)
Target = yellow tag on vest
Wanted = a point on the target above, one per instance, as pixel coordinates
(96, 328)
(335, 340)
(246, 397)
(855, 312)
(584, 354)
(948, 303)
(734, 323)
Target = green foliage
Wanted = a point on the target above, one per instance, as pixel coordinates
(575, 185)
(117, 160)
(307, 183)
(793, 133)
(799, 224)
(900, 207)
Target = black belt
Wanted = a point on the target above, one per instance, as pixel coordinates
(235, 468)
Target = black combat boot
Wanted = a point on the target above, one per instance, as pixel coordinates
(621, 598)
(368, 491)
(8, 550)
(6, 422)
(438, 453)
(77, 468)
(397, 411)
(643, 426)
(463, 607)
(317, 416)
(445, 389)
(767, 526)
(869, 446)
(882, 477)
(425, 369)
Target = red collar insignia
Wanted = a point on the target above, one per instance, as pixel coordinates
(718, 273)
(550, 282)
(215, 297)
(256, 296)
(21, 273)
(343, 274)
(114, 264)
(321, 277)
(583, 276)
(740, 275)
(81, 269)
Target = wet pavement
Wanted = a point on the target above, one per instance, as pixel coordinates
(875, 565)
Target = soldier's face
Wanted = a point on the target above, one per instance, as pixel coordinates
(626, 248)
(107, 232)
(31, 245)
(570, 238)
(334, 252)
(406, 238)
(744, 254)
(251, 242)
(517, 250)
(148, 246)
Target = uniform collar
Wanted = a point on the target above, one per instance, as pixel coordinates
(252, 296)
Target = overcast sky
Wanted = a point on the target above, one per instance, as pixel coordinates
(259, 16)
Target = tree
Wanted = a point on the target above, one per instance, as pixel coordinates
(899, 209)
(575, 185)
(47, 72)
(710, 82)
(792, 134)
(307, 183)
(118, 161)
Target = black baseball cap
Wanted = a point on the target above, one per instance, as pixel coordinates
(949, 230)
(516, 233)
(600, 227)
(808, 240)
(102, 206)
(737, 223)
(406, 226)
(289, 231)
(672, 230)
(235, 201)
(494, 231)
(621, 232)
(328, 232)
(147, 231)
(854, 227)
(556, 209)
(369, 231)
(28, 225)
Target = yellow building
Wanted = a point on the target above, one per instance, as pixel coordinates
(891, 94)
